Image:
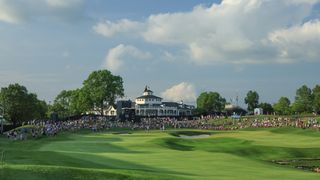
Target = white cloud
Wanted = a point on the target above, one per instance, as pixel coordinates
(301, 1)
(12, 12)
(299, 43)
(183, 91)
(64, 3)
(7, 16)
(233, 32)
(109, 29)
(168, 56)
(116, 56)
(17, 11)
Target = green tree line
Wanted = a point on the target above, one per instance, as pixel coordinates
(306, 101)
(99, 91)
(102, 88)
(18, 105)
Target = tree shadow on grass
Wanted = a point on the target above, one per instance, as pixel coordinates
(246, 148)
(89, 145)
(41, 173)
(297, 131)
(189, 133)
(175, 144)
(67, 142)
(238, 147)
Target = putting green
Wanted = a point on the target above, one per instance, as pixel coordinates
(245, 154)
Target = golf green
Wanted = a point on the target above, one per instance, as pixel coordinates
(244, 154)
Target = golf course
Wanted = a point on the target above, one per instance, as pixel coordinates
(242, 154)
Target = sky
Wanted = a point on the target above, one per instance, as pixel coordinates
(177, 48)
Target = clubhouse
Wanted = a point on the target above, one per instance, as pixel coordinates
(149, 105)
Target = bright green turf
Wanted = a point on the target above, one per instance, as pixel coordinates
(244, 154)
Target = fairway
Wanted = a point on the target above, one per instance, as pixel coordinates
(244, 154)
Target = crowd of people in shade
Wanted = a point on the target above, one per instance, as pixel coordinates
(38, 128)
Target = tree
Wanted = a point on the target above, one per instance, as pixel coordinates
(79, 102)
(267, 108)
(101, 89)
(19, 105)
(252, 100)
(209, 102)
(39, 107)
(282, 107)
(316, 99)
(303, 100)
(62, 104)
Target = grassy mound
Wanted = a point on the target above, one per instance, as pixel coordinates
(237, 155)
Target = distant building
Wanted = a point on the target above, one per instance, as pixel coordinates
(147, 105)
(125, 110)
(152, 106)
(258, 111)
(110, 111)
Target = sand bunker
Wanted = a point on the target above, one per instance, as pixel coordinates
(309, 164)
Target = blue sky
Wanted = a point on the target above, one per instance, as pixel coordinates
(178, 48)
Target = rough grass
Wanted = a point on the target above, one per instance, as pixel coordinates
(244, 154)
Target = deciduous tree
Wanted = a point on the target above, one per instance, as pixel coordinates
(316, 98)
(62, 103)
(303, 101)
(19, 105)
(267, 108)
(209, 102)
(252, 100)
(282, 107)
(101, 89)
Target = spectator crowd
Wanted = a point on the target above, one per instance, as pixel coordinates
(38, 128)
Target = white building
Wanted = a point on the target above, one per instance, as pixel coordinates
(111, 111)
(108, 111)
(258, 111)
(151, 105)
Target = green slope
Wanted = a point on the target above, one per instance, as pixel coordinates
(245, 154)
